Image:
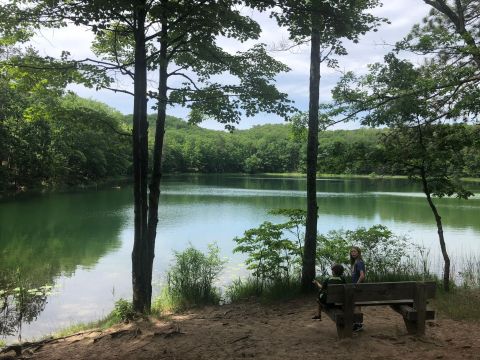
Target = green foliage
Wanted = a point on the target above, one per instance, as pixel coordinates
(190, 281)
(339, 19)
(458, 304)
(69, 142)
(123, 311)
(273, 256)
(275, 253)
(280, 289)
(386, 255)
(242, 289)
(469, 277)
(434, 153)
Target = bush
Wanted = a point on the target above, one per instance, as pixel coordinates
(241, 290)
(190, 281)
(387, 257)
(273, 255)
(123, 311)
(275, 252)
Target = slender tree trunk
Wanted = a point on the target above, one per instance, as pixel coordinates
(140, 280)
(310, 247)
(154, 194)
(438, 220)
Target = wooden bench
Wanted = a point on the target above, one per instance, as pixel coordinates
(408, 298)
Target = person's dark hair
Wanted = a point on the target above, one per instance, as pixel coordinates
(337, 270)
(359, 257)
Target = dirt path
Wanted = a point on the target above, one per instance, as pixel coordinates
(280, 331)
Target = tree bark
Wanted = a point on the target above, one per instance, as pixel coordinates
(142, 287)
(310, 246)
(154, 187)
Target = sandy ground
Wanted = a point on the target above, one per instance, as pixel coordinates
(251, 330)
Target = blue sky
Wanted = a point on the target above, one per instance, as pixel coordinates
(403, 14)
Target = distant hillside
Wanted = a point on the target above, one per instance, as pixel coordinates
(274, 148)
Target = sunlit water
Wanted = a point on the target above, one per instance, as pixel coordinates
(82, 241)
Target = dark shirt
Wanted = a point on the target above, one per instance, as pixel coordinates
(329, 280)
(358, 267)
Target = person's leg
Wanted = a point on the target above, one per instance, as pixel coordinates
(319, 313)
(358, 326)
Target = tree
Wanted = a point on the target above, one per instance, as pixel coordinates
(323, 23)
(432, 154)
(186, 33)
(188, 42)
(412, 99)
(449, 39)
(398, 94)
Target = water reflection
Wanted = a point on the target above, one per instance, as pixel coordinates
(44, 237)
(54, 234)
(20, 302)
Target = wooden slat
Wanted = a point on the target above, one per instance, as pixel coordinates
(410, 313)
(381, 303)
(385, 291)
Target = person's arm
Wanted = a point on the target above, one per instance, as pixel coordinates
(317, 284)
(361, 269)
(362, 277)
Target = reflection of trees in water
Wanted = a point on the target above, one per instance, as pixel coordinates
(44, 237)
(53, 235)
(20, 302)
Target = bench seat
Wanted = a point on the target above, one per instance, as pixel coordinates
(408, 298)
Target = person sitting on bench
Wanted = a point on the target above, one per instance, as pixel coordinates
(336, 278)
(358, 275)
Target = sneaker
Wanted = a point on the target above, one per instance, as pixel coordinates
(357, 327)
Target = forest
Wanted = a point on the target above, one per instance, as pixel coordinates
(84, 141)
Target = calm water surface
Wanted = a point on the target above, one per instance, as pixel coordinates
(82, 241)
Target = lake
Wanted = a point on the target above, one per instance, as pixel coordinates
(81, 241)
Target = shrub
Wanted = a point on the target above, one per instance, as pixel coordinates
(244, 289)
(123, 311)
(273, 255)
(190, 281)
(388, 257)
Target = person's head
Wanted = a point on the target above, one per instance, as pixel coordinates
(355, 254)
(337, 270)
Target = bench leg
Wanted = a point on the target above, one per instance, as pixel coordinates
(348, 309)
(420, 305)
(411, 326)
(341, 331)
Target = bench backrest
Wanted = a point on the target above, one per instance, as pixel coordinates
(384, 291)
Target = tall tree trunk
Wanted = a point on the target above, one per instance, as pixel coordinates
(438, 220)
(154, 194)
(310, 247)
(140, 280)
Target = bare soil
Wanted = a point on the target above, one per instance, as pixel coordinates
(282, 330)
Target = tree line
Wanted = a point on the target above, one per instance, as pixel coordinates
(83, 141)
(77, 141)
(276, 149)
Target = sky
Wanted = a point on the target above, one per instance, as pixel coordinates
(403, 14)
